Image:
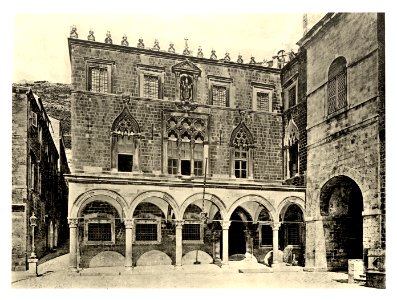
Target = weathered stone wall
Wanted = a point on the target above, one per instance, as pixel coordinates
(346, 143)
(93, 148)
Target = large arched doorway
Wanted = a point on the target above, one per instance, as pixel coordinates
(341, 206)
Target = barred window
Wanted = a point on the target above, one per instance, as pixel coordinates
(151, 86)
(191, 232)
(99, 232)
(293, 237)
(146, 232)
(219, 96)
(337, 85)
(262, 100)
(98, 80)
(267, 235)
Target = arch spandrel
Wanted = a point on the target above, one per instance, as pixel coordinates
(286, 202)
(209, 197)
(254, 198)
(154, 194)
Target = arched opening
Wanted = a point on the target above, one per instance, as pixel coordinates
(100, 231)
(341, 206)
(237, 233)
(153, 235)
(292, 237)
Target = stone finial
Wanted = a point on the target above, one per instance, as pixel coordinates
(252, 61)
(140, 43)
(227, 56)
(200, 52)
(213, 55)
(171, 49)
(240, 59)
(291, 55)
(124, 41)
(186, 50)
(73, 32)
(108, 39)
(91, 36)
(156, 46)
(270, 64)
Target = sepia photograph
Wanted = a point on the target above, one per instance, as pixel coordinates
(180, 147)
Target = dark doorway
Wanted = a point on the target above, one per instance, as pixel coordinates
(236, 235)
(341, 205)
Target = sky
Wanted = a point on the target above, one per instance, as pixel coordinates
(41, 48)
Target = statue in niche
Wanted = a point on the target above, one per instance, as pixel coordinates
(186, 85)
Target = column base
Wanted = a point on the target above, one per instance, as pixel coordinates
(33, 266)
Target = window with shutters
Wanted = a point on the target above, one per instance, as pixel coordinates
(337, 85)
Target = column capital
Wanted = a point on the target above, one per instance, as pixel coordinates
(73, 222)
(128, 223)
(225, 224)
(275, 226)
(179, 223)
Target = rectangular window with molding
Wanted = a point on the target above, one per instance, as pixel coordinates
(99, 76)
(192, 232)
(150, 86)
(99, 231)
(262, 100)
(151, 81)
(220, 96)
(147, 232)
(219, 91)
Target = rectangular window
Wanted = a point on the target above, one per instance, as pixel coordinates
(146, 232)
(198, 155)
(219, 96)
(98, 80)
(292, 96)
(191, 232)
(240, 163)
(198, 168)
(172, 166)
(150, 86)
(266, 235)
(262, 101)
(99, 232)
(124, 162)
(293, 234)
(172, 157)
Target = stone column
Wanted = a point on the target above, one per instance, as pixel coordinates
(128, 242)
(225, 243)
(73, 242)
(178, 240)
(276, 259)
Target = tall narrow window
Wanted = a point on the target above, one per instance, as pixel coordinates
(185, 156)
(242, 144)
(219, 96)
(125, 144)
(293, 159)
(291, 150)
(240, 162)
(292, 96)
(172, 155)
(337, 83)
(262, 99)
(198, 154)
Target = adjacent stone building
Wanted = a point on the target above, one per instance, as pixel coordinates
(345, 200)
(177, 159)
(38, 185)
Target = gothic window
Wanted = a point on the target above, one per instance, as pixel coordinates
(151, 81)
(125, 143)
(291, 150)
(242, 144)
(99, 76)
(185, 146)
(337, 85)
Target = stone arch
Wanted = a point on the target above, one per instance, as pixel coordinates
(291, 133)
(252, 198)
(286, 202)
(154, 194)
(111, 197)
(125, 123)
(354, 175)
(209, 197)
(241, 136)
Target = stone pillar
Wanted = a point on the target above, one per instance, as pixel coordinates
(178, 240)
(225, 243)
(276, 259)
(73, 242)
(128, 242)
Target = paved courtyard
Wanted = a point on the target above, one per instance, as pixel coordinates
(55, 274)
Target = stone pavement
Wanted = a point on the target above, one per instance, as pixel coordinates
(55, 274)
